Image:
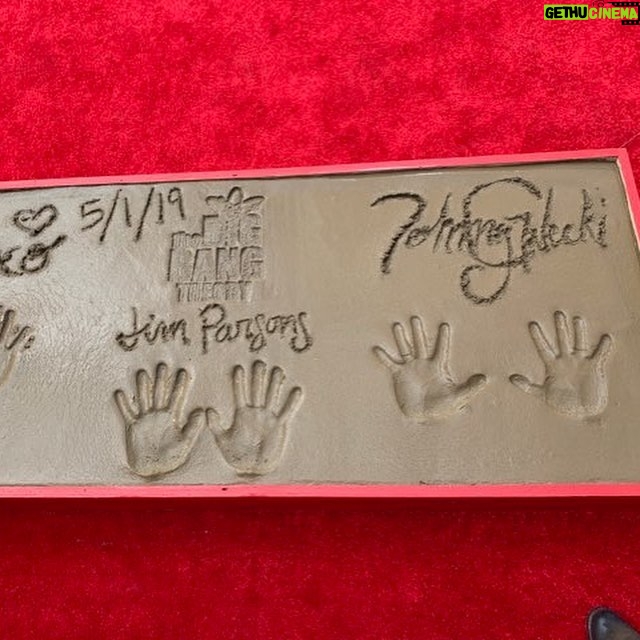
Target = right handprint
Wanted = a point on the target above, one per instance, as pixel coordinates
(575, 382)
(255, 441)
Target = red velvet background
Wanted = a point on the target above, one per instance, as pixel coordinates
(142, 86)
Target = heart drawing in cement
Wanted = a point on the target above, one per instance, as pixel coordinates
(33, 221)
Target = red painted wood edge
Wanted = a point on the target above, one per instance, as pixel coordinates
(248, 490)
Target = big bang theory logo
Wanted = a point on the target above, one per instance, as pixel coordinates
(226, 258)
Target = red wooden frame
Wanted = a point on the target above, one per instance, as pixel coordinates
(248, 490)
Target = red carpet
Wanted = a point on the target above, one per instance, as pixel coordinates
(98, 88)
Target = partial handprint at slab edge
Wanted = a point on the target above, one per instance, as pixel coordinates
(14, 339)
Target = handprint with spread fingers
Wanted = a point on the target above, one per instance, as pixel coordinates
(424, 387)
(255, 441)
(157, 440)
(575, 380)
(13, 340)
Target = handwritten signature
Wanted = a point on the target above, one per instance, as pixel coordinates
(255, 330)
(215, 326)
(516, 237)
(18, 261)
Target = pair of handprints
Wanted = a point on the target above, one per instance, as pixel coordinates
(159, 439)
(574, 385)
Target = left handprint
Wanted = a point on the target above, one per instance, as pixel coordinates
(14, 339)
(424, 388)
(157, 440)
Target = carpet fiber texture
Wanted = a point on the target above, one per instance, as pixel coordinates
(97, 88)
